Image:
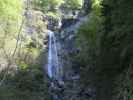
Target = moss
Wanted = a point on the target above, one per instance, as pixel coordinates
(23, 65)
(131, 97)
(55, 15)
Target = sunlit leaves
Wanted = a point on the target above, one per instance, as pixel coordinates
(74, 4)
(10, 14)
(55, 3)
(10, 10)
(96, 6)
(48, 5)
(52, 5)
(10, 18)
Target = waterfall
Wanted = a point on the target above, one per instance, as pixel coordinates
(54, 68)
(55, 71)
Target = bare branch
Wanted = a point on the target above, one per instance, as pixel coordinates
(18, 37)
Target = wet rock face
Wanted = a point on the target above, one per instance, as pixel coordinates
(87, 93)
(67, 22)
(71, 89)
(87, 6)
(53, 23)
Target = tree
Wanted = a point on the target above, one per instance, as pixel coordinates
(10, 17)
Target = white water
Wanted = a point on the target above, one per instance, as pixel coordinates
(54, 68)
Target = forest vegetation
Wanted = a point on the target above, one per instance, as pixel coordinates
(104, 42)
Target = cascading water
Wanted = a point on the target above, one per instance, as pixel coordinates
(54, 69)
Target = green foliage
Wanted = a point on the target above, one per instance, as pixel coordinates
(23, 65)
(10, 14)
(107, 45)
(88, 41)
(27, 84)
(10, 10)
(106, 33)
(74, 4)
(90, 28)
(10, 18)
(88, 34)
(53, 5)
(96, 7)
(54, 15)
(117, 30)
(131, 97)
(48, 5)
